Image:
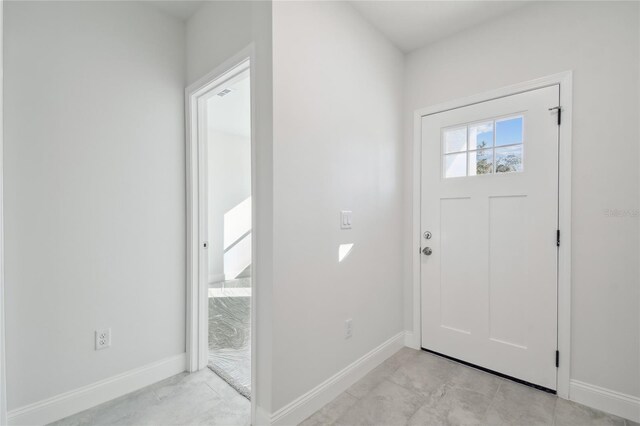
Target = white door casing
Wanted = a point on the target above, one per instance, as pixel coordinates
(489, 288)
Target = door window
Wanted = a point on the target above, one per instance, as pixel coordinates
(488, 147)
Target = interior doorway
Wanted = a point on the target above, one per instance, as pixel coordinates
(226, 130)
(489, 234)
(219, 109)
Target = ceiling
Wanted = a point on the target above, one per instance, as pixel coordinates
(414, 24)
(181, 9)
(408, 24)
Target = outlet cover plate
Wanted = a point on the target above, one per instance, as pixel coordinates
(103, 338)
(348, 328)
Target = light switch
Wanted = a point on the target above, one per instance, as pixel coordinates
(345, 219)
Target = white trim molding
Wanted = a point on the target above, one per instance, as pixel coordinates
(609, 401)
(72, 402)
(564, 80)
(307, 404)
(3, 385)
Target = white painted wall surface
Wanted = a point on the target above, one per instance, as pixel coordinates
(215, 33)
(599, 41)
(94, 192)
(229, 171)
(337, 145)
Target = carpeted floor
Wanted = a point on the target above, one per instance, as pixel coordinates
(230, 333)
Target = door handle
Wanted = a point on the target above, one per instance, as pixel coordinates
(427, 251)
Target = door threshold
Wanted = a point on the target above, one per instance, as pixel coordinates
(495, 373)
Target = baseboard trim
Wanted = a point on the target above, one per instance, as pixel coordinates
(307, 404)
(607, 400)
(72, 402)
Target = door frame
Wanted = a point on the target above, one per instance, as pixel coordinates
(3, 385)
(565, 81)
(197, 317)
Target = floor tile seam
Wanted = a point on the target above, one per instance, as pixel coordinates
(215, 391)
(362, 378)
(555, 411)
(389, 379)
(349, 393)
(424, 399)
(418, 407)
(492, 402)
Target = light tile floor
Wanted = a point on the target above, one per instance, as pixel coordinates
(200, 398)
(410, 388)
(417, 388)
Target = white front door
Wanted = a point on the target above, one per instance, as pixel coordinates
(490, 210)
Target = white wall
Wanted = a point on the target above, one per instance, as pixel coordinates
(229, 170)
(337, 145)
(599, 41)
(94, 192)
(217, 32)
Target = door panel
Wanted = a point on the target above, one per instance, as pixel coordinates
(456, 256)
(507, 269)
(490, 201)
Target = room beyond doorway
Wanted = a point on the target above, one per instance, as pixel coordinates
(226, 131)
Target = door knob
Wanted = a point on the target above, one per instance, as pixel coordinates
(427, 251)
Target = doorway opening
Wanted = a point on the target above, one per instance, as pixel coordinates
(221, 225)
(227, 133)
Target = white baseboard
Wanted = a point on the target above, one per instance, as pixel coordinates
(72, 402)
(307, 404)
(619, 404)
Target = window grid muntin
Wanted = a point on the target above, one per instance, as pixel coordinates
(493, 147)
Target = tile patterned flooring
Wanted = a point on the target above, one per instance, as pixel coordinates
(410, 388)
(200, 398)
(230, 332)
(418, 388)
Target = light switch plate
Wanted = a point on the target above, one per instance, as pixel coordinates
(345, 219)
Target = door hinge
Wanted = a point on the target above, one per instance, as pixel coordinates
(557, 359)
(558, 238)
(559, 109)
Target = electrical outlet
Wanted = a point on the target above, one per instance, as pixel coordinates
(103, 339)
(348, 328)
